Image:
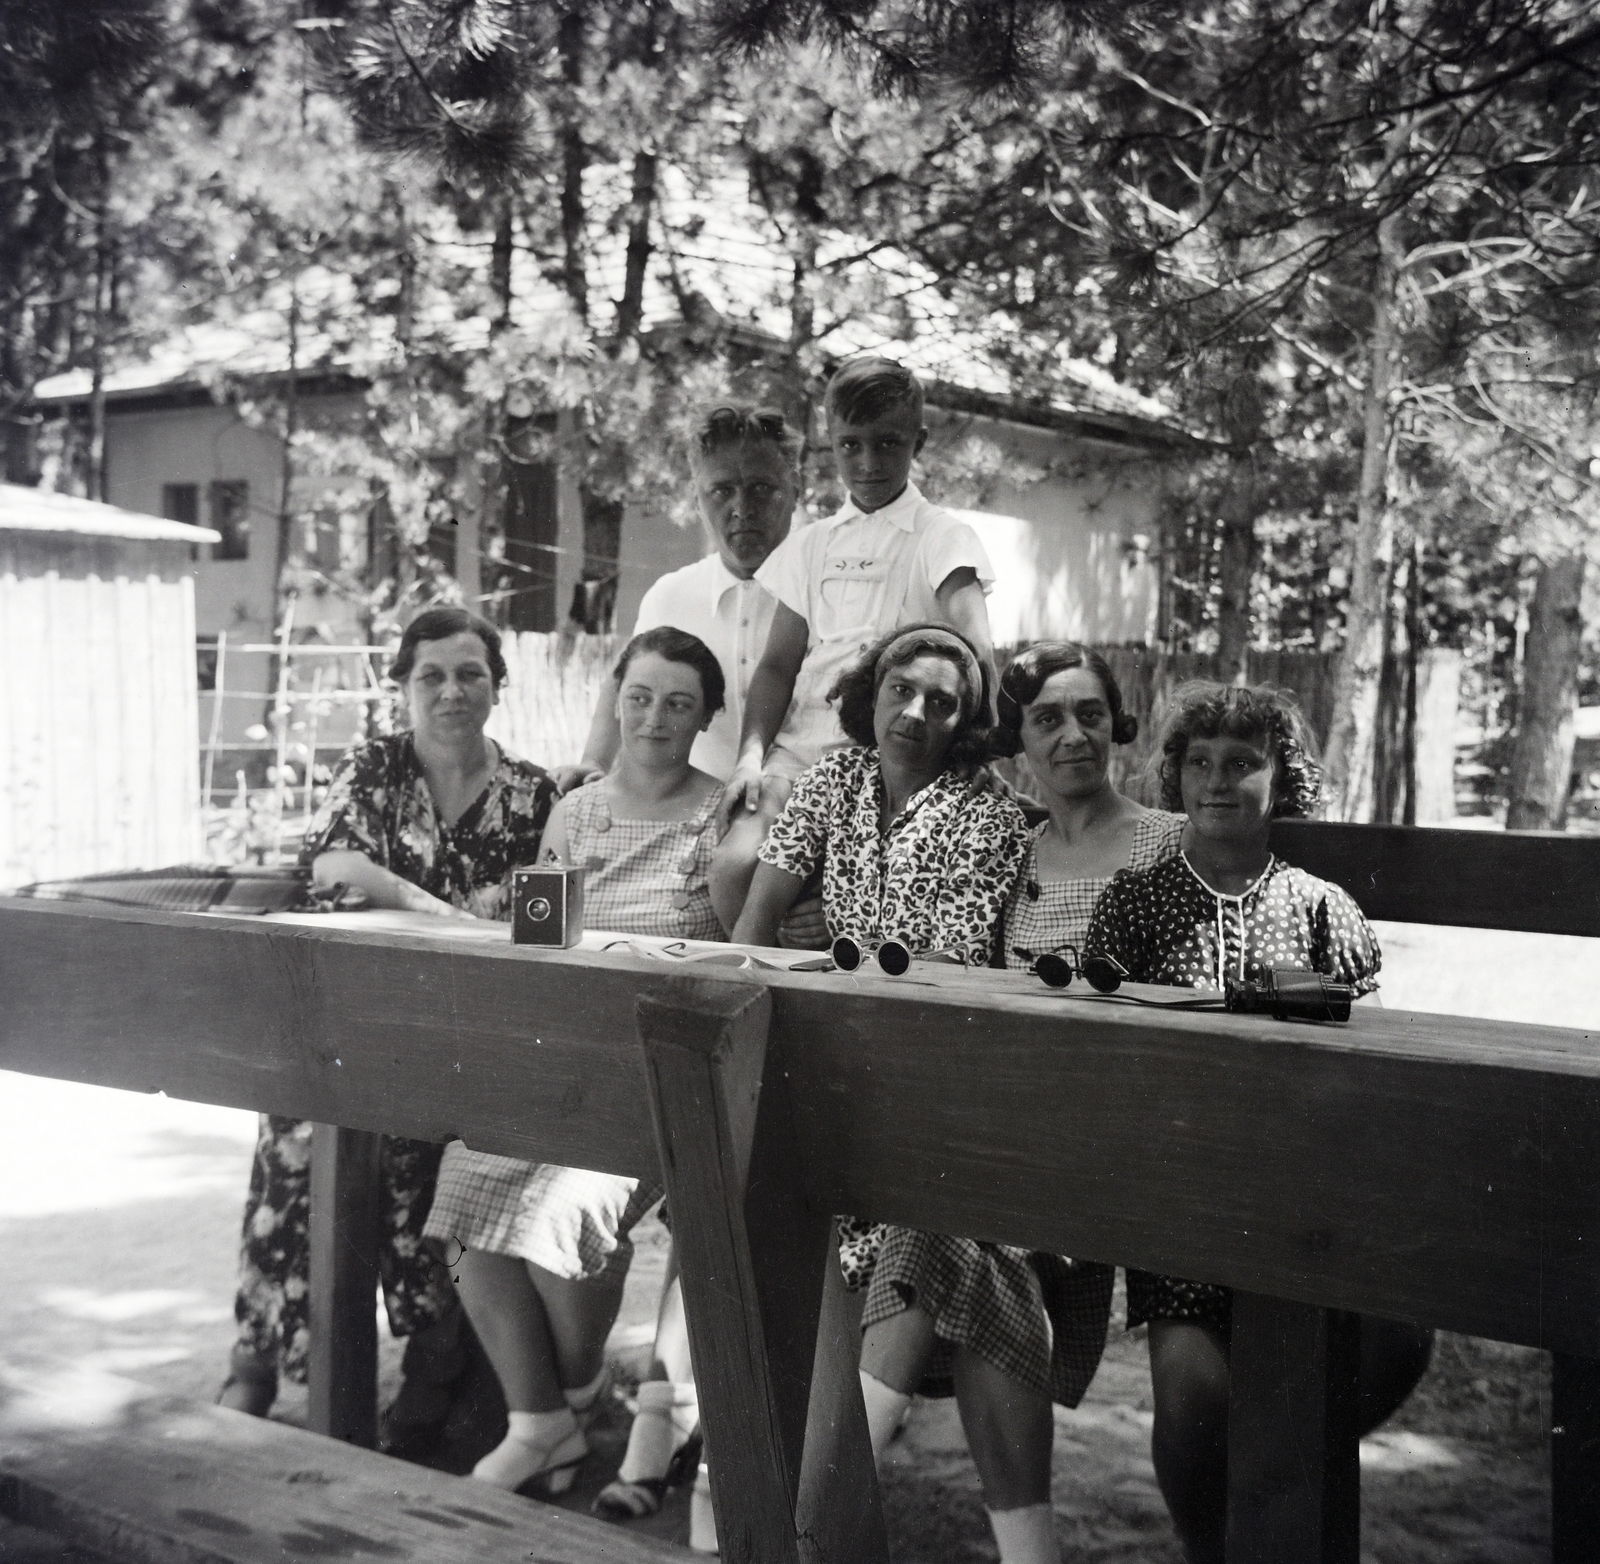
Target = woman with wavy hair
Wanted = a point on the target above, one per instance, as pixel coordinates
(912, 845)
(1225, 908)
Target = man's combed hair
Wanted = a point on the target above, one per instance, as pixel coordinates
(439, 624)
(720, 425)
(855, 695)
(678, 646)
(1260, 714)
(866, 388)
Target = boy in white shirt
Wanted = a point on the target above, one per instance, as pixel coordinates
(888, 557)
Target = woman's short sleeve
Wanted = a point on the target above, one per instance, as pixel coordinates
(799, 836)
(1117, 926)
(1346, 946)
(351, 817)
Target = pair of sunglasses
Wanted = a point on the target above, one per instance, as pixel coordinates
(1104, 974)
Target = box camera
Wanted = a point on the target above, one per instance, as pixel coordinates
(547, 906)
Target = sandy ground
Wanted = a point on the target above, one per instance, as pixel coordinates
(119, 1213)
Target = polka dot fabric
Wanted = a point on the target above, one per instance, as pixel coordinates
(1166, 925)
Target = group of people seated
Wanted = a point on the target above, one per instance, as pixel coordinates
(799, 743)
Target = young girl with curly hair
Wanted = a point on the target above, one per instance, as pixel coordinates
(1232, 759)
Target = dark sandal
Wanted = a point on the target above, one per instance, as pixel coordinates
(622, 1500)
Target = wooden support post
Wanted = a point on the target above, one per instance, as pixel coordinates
(755, 1263)
(1294, 1477)
(344, 1279)
(1574, 1460)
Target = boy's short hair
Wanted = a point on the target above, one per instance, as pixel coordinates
(1203, 709)
(866, 388)
(719, 425)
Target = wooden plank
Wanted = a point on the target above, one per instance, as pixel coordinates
(1541, 882)
(1294, 1475)
(153, 1479)
(343, 1370)
(1279, 1157)
(754, 1263)
(1574, 1460)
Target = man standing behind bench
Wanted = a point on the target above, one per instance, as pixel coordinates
(744, 462)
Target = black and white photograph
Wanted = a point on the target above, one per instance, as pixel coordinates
(813, 781)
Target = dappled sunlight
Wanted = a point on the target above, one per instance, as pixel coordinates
(1404, 1451)
(189, 1308)
(71, 1147)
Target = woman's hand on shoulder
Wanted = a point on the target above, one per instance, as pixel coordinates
(567, 778)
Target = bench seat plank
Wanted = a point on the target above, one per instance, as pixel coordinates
(155, 1479)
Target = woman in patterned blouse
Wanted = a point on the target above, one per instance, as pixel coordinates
(1225, 907)
(909, 848)
(432, 819)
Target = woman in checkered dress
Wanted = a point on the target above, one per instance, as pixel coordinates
(544, 1250)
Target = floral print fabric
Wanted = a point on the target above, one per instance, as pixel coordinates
(936, 880)
(379, 805)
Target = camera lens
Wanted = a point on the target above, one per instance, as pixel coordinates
(894, 956)
(1055, 970)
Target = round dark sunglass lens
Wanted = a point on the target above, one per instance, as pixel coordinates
(847, 953)
(894, 957)
(1104, 974)
(1055, 970)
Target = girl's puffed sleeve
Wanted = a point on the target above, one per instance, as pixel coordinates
(1346, 947)
(978, 877)
(799, 836)
(351, 816)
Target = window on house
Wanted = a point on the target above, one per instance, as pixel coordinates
(230, 515)
(181, 502)
(205, 658)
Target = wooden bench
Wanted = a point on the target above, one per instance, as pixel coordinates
(152, 1479)
(1423, 1167)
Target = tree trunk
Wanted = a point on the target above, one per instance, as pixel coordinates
(574, 159)
(500, 264)
(1236, 566)
(1348, 775)
(1541, 762)
(630, 311)
(97, 362)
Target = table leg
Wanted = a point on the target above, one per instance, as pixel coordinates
(1574, 1459)
(1294, 1478)
(344, 1279)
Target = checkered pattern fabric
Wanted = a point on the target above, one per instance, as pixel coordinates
(1036, 1317)
(569, 1220)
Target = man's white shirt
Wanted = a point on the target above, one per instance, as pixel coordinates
(732, 616)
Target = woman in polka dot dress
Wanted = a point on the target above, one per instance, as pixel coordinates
(1232, 758)
(544, 1250)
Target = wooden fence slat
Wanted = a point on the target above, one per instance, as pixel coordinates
(1574, 1460)
(754, 1262)
(1294, 1477)
(344, 1278)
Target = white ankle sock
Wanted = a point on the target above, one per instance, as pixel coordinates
(584, 1397)
(885, 1408)
(668, 1413)
(702, 1518)
(1026, 1536)
(533, 1442)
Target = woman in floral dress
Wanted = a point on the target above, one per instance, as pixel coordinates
(432, 819)
(912, 846)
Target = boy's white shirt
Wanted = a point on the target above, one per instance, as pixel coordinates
(853, 577)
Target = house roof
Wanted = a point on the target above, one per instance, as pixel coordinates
(716, 246)
(41, 510)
